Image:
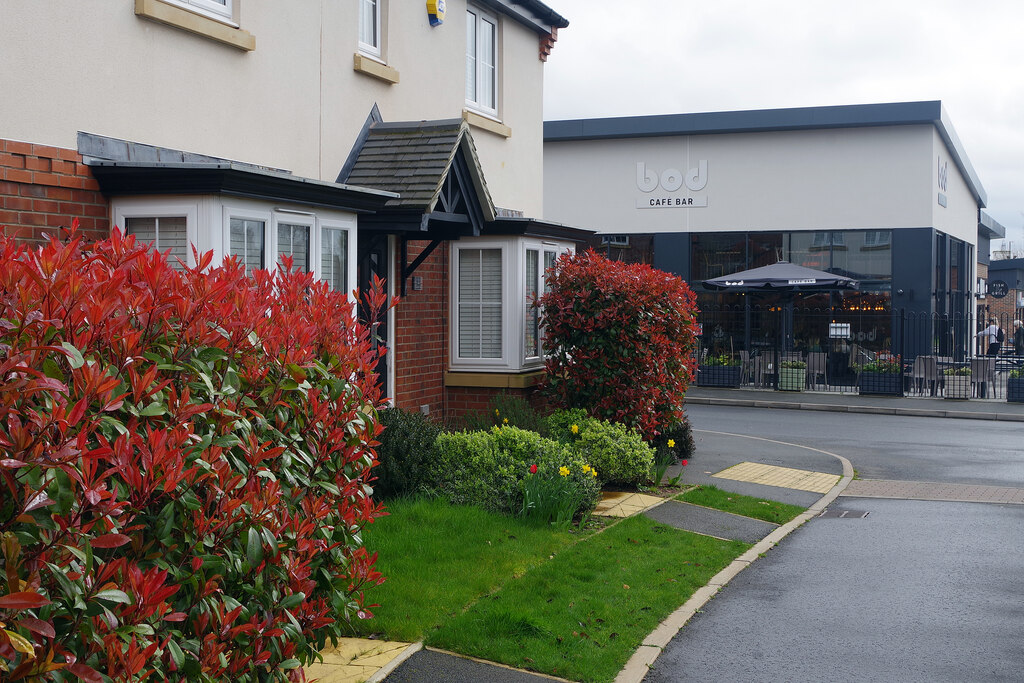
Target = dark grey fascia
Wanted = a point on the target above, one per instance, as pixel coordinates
(229, 178)
(990, 227)
(768, 120)
(530, 13)
(533, 227)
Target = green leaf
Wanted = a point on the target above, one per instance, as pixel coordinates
(290, 664)
(293, 600)
(254, 548)
(114, 595)
(152, 410)
(74, 355)
(177, 656)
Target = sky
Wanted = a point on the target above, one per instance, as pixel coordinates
(680, 56)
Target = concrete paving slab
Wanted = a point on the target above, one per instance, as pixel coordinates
(355, 660)
(432, 665)
(710, 522)
(782, 477)
(624, 503)
(916, 490)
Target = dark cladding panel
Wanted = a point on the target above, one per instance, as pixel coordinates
(672, 253)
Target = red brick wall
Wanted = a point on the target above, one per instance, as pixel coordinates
(421, 333)
(463, 400)
(43, 188)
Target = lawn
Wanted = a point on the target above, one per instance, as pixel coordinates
(439, 558)
(748, 506)
(570, 604)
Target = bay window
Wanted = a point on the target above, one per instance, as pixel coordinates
(495, 285)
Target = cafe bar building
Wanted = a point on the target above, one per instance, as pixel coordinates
(881, 193)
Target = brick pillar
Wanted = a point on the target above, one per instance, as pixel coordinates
(43, 188)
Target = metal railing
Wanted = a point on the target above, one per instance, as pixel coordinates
(852, 351)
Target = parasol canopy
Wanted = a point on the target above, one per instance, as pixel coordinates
(782, 276)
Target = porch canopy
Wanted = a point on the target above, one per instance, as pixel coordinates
(783, 277)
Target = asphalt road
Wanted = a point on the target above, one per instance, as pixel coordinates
(916, 591)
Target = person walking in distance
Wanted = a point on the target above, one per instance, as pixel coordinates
(994, 336)
(1018, 338)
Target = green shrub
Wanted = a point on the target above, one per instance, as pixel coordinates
(620, 339)
(722, 359)
(488, 468)
(512, 410)
(681, 436)
(618, 453)
(406, 451)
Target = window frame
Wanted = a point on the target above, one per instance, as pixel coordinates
(304, 219)
(349, 228)
(478, 17)
(143, 208)
(514, 356)
(370, 49)
(209, 8)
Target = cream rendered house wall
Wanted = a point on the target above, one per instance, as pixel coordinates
(294, 102)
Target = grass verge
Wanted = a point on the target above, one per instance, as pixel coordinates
(582, 614)
(439, 558)
(748, 506)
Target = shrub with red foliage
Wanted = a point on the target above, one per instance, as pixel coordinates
(620, 339)
(183, 466)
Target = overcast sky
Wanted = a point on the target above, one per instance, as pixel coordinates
(673, 56)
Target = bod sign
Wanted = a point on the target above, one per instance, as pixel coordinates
(661, 186)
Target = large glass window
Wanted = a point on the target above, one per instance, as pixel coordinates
(293, 240)
(247, 240)
(334, 258)
(714, 255)
(165, 233)
(481, 60)
(531, 338)
(480, 303)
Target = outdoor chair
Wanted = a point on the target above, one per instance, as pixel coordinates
(817, 362)
(744, 366)
(925, 373)
(983, 377)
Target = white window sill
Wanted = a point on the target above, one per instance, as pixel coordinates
(190, 21)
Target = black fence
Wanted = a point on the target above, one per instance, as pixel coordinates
(901, 353)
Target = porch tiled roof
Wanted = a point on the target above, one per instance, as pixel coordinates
(413, 159)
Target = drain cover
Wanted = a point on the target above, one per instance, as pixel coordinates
(844, 514)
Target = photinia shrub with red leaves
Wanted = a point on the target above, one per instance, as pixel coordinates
(620, 339)
(183, 466)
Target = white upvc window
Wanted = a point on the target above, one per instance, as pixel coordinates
(495, 284)
(482, 61)
(334, 256)
(218, 9)
(370, 27)
(247, 236)
(168, 225)
(294, 238)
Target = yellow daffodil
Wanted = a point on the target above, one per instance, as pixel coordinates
(593, 471)
(496, 413)
(671, 443)
(564, 471)
(575, 429)
(586, 469)
(494, 429)
(505, 421)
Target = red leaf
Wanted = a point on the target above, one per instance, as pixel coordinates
(110, 541)
(43, 628)
(176, 616)
(11, 462)
(23, 600)
(86, 673)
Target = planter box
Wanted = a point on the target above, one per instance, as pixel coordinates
(792, 379)
(719, 375)
(883, 383)
(958, 386)
(1015, 390)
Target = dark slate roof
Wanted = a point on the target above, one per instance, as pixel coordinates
(413, 159)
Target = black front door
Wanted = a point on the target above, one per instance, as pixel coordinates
(372, 260)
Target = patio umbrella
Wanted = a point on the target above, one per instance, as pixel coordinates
(786, 278)
(782, 276)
